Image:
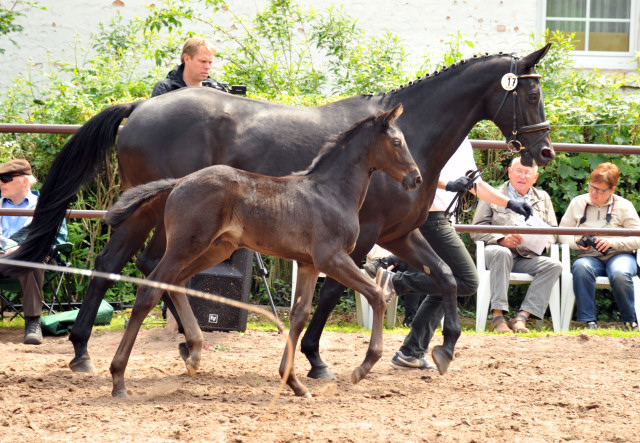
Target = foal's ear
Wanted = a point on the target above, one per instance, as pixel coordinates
(390, 116)
(530, 61)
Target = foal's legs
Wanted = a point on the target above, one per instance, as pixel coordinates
(343, 269)
(307, 279)
(146, 299)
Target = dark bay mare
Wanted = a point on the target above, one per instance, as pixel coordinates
(178, 133)
(311, 217)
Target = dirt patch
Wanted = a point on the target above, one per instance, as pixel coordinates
(499, 388)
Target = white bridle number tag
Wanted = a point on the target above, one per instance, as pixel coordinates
(509, 81)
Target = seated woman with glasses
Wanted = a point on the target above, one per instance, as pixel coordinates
(612, 257)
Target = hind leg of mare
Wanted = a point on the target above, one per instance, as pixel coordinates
(415, 250)
(343, 269)
(330, 294)
(123, 244)
(307, 279)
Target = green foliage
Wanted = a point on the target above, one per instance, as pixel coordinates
(9, 16)
(293, 55)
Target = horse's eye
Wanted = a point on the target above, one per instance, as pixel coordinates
(396, 142)
(533, 97)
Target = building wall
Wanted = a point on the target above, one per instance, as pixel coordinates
(424, 26)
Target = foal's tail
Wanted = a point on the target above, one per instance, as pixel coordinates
(76, 165)
(133, 198)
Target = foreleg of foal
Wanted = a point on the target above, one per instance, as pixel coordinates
(307, 279)
(343, 269)
(415, 250)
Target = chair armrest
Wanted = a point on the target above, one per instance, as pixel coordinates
(480, 263)
(565, 258)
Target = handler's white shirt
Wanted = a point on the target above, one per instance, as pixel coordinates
(460, 162)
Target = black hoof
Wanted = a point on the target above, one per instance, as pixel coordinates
(441, 358)
(82, 365)
(184, 351)
(321, 373)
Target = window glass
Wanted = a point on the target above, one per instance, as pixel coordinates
(566, 8)
(598, 25)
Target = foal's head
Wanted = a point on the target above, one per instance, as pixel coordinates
(391, 153)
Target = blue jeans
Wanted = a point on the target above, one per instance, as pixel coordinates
(620, 269)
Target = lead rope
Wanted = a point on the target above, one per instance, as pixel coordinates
(462, 203)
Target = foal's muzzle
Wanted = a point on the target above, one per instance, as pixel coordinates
(412, 180)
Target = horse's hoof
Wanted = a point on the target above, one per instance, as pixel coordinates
(307, 395)
(322, 372)
(191, 368)
(183, 350)
(82, 365)
(357, 375)
(120, 393)
(441, 358)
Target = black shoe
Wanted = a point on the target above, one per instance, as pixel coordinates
(32, 331)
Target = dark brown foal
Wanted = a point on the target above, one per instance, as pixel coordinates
(310, 216)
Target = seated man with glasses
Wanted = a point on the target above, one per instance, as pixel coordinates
(505, 254)
(16, 180)
(603, 256)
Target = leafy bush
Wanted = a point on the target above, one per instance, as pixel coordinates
(297, 56)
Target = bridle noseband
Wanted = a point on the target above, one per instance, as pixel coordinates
(512, 140)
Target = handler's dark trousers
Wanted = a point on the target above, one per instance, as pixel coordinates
(444, 240)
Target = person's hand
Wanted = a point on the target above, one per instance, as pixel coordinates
(522, 208)
(603, 245)
(510, 241)
(458, 185)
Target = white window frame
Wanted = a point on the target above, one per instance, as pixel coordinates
(620, 61)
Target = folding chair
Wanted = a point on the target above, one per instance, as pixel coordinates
(11, 290)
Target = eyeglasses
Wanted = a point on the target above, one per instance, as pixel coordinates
(598, 190)
(6, 178)
(522, 172)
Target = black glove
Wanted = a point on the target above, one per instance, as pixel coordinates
(458, 185)
(522, 208)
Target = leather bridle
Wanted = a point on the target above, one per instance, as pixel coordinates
(512, 139)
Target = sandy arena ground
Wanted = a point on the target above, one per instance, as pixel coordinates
(499, 388)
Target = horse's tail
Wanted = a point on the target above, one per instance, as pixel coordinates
(76, 165)
(133, 198)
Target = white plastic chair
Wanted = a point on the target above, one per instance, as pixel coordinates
(569, 298)
(515, 278)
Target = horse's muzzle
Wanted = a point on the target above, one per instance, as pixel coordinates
(412, 180)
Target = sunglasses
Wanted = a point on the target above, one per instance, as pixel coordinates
(6, 178)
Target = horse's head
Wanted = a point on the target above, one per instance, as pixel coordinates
(392, 154)
(519, 112)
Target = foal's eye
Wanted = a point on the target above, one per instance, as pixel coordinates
(396, 142)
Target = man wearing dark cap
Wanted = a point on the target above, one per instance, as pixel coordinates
(16, 180)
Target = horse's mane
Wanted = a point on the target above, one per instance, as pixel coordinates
(473, 59)
(338, 141)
